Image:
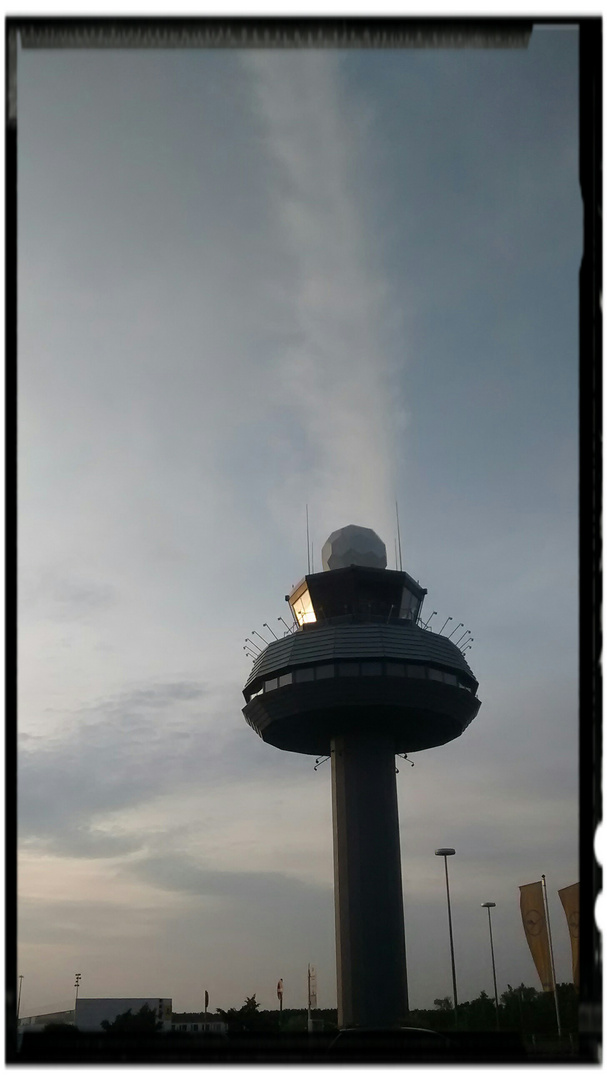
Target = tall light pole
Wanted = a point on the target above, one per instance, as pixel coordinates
(489, 904)
(445, 852)
(19, 997)
(76, 984)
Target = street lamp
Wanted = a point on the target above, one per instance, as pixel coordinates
(489, 904)
(76, 984)
(19, 997)
(445, 852)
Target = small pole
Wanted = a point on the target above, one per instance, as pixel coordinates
(76, 984)
(451, 943)
(400, 554)
(309, 1007)
(489, 905)
(279, 992)
(445, 852)
(556, 1000)
(19, 997)
(308, 537)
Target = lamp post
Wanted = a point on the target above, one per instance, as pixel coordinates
(76, 984)
(445, 852)
(489, 904)
(19, 997)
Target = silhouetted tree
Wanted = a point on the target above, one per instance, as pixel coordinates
(443, 1004)
(141, 1024)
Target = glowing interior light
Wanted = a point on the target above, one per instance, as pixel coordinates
(302, 609)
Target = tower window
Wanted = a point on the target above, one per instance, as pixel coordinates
(416, 671)
(395, 670)
(348, 668)
(370, 667)
(325, 671)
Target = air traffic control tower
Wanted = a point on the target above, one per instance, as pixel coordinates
(361, 680)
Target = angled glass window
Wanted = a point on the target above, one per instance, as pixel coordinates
(451, 679)
(270, 684)
(286, 679)
(304, 674)
(434, 673)
(301, 606)
(409, 607)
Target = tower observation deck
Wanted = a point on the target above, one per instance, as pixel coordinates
(361, 680)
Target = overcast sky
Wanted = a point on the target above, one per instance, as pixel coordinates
(249, 281)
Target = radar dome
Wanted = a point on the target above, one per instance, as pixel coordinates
(353, 545)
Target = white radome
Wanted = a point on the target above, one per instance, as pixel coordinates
(353, 545)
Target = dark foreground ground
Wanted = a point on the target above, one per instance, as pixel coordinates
(245, 1048)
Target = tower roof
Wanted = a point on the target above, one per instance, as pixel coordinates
(358, 641)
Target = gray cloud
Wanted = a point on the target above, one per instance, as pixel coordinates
(177, 872)
(128, 749)
(63, 596)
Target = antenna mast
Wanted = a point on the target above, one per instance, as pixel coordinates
(308, 537)
(400, 554)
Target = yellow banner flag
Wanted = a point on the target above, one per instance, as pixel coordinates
(570, 899)
(534, 922)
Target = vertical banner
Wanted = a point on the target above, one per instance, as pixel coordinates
(206, 1000)
(570, 899)
(533, 914)
(279, 991)
(311, 986)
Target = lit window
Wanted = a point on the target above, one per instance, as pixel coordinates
(325, 671)
(285, 680)
(370, 667)
(302, 608)
(305, 674)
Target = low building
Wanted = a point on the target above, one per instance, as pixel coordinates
(90, 1013)
(40, 1020)
(198, 1023)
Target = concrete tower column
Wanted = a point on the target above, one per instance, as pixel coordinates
(369, 918)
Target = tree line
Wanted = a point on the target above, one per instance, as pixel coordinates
(522, 1009)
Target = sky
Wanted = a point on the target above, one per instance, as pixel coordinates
(250, 281)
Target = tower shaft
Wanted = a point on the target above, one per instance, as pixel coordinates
(369, 918)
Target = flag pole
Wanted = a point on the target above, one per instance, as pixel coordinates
(556, 1000)
(309, 1008)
